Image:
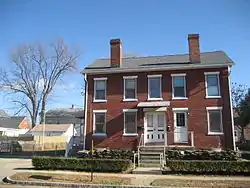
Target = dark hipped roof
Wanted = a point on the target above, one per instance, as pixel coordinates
(158, 62)
(65, 112)
(11, 122)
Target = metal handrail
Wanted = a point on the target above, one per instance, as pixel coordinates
(141, 142)
(135, 154)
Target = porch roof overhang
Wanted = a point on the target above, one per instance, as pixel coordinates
(154, 104)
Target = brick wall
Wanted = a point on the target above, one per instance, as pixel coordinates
(196, 103)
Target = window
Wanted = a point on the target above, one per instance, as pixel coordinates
(130, 119)
(179, 86)
(130, 87)
(154, 87)
(100, 86)
(99, 122)
(212, 84)
(214, 118)
(180, 119)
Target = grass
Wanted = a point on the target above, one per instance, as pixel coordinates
(71, 178)
(201, 183)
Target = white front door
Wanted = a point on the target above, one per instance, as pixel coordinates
(180, 127)
(155, 124)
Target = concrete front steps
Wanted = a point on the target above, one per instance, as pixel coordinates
(150, 156)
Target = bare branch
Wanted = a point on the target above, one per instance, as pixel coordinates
(36, 71)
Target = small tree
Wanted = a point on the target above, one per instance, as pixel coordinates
(239, 92)
(34, 73)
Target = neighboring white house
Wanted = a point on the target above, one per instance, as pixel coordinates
(13, 126)
(66, 130)
(54, 130)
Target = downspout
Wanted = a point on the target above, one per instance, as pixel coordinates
(231, 105)
(85, 106)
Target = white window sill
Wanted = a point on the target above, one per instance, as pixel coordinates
(215, 133)
(213, 97)
(98, 100)
(130, 100)
(179, 98)
(130, 134)
(99, 134)
(155, 99)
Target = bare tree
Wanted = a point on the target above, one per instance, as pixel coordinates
(36, 71)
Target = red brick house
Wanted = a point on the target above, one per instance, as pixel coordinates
(172, 100)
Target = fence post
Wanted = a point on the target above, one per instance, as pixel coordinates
(56, 150)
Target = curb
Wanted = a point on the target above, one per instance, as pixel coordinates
(73, 185)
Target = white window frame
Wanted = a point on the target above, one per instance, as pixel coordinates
(155, 76)
(99, 111)
(100, 100)
(124, 88)
(185, 87)
(129, 134)
(221, 120)
(218, 79)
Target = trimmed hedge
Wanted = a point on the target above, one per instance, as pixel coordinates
(109, 154)
(201, 155)
(79, 164)
(209, 167)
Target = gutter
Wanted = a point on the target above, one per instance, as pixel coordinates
(85, 106)
(231, 105)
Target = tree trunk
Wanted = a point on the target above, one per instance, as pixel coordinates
(42, 113)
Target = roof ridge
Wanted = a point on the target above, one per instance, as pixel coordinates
(153, 56)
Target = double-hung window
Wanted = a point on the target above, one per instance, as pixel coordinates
(178, 86)
(100, 89)
(130, 122)
(99, 119)
(154, 87)
(212, 83)
(214, 118)
(130, 88)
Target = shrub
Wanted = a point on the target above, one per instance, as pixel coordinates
(214, 167)
(80, 164)
(200, 155)
(109, 154)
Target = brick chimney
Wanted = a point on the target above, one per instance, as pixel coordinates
(194, 48)
(115, 53)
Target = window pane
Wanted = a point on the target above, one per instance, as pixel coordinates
(155, 87)
(100, 94)
(179, 92)
(160, 120)
(100, 84)
(100, 89)
(179, 88)
(212, 85)
(150, 120)
(180, 119)
(178, 81)
(130, 94)
(130, 90)
(130, 122)
(130, 83)
(215, 121)
(99, 122)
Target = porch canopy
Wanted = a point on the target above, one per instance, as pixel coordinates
(154, 104)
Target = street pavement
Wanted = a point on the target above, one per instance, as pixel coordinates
(10, 166)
